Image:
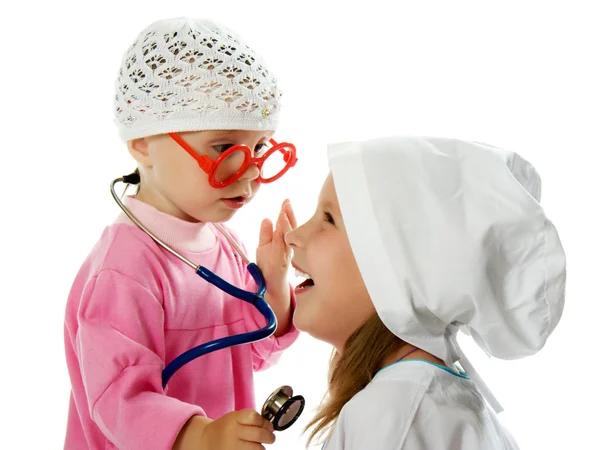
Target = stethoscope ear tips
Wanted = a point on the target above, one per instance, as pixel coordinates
(282, 408)
(132, 178)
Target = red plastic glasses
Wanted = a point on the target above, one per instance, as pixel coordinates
(234, 162)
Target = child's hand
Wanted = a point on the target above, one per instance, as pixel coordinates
(238, 430)
(273, 257)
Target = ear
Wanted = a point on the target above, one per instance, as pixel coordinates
(138, 148)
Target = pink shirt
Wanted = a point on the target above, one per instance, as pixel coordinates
(134, 307)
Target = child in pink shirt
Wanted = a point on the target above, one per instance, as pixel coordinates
(188, 90)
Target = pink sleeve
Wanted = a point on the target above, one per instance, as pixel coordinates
(267, 352)
(120, 347)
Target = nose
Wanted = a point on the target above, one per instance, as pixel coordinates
(251, 173)
(294, 238)
(289, 238)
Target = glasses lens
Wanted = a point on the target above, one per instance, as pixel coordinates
(228, 167)
(273, 165)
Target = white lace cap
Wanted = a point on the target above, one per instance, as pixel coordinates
(188, 74)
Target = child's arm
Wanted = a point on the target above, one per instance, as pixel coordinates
(266, 352)
(121, 351)
(273, 257)
(233, 431)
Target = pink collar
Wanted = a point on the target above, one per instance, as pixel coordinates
(195, 237)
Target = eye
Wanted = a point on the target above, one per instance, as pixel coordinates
(260, 148)
(328, 218)
(222, 148)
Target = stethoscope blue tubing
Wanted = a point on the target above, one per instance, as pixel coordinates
(255, 298)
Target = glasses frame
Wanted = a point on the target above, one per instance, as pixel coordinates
(210, 167)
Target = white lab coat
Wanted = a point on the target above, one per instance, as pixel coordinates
(415, 405)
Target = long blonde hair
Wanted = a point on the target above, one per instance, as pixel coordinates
(351, 371)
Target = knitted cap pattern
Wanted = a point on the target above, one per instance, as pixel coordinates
(190, 75)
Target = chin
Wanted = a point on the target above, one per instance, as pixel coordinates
(306, 325)
(220, 216)
(301, 324)
(212, 215)
(297, 323)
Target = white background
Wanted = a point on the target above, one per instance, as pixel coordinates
(519, 75)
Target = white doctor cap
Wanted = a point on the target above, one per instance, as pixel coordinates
(450, 235)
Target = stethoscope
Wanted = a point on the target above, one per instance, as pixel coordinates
(282, 408)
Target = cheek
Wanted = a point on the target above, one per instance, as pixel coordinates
(332, 316)
(338, 304)
(166, 164)
(181, 177)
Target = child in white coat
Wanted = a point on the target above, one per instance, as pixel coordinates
(414, 239)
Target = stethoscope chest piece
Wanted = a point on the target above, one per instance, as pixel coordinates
(282, 408)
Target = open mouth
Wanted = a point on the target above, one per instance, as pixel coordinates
(235, 202)
(308, 282)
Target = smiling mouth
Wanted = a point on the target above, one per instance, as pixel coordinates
(305, 284)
